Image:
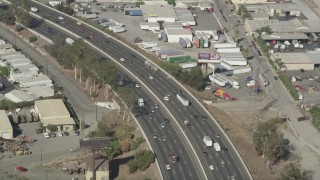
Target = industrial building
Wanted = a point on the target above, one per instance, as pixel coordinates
(185, 16)
(159, 13)
(36, 81)
(6, 129)
(175, 34)
(54, 112)
(29, 94)
(294, 61)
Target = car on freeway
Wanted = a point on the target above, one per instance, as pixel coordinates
(153, 110)
(259, 52)
(21, 169)
(211, 167)
(156, 106)
(195, 116)
(137, 85)
(155, 136)
(60, 134)
(166, 98)
(275, 78)
(150, 77)
(82, 29)
(223, 162)
(232, 178)
(218, 135)
(166, 120)
(122, 59)
(164, 139)
(163, 124)
(46, 135)
(60, 17)
(168, 167)
(205, 153)
(90, 37)
(79, 23)
(65, 133)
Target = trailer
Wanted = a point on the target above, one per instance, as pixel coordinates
(184, 101)
(228, 50)
(231, 55)
(164, 37)
(222, 80)
(217, 146)
(225, 45)
(119, 30)
(182, 42)
(34, 9)
(206, 43)
(215, 36)
(141, 102)
(207, 141)
(188, 65)
(189, 44)
(236, 61)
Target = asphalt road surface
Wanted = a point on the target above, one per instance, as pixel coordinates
(162, 85)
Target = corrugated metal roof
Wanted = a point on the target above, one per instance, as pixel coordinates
(284, 36)
(4, 121)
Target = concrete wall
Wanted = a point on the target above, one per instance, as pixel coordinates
(99, 175)
(6, 133)
(248, 1)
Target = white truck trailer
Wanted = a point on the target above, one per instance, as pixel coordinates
(225, 45)
(222, 79)
(217, 146)
(228, 50)
(34, 9)
(207, 141)
(141, 102)
(184, 101)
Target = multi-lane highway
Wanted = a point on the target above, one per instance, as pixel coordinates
(226, 162)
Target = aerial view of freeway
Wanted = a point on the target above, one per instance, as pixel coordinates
(191, 85)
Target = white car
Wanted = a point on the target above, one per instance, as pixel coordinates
(60, 17)
(166, 98)
(122, 59)
(168, 167)
(150, 77)
(137, 85)
(155, 136)
(60, 134)
(163, 125)
(46, 135)
(211, 167)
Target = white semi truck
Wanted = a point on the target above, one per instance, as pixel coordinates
(217, 146)
(207, 141)
(69, 41)
(141, 102)
(184, 101)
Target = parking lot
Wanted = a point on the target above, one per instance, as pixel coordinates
(43, 152)
(132, 25)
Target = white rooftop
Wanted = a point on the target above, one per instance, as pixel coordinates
(159, 11)
(178, 32)
(36, 81)
(284, 36)
(293, 58)
(17, 96)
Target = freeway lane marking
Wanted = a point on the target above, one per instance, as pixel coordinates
(210, 157)
(192, 127)
(170, 146)
(185, 162)
(175, 142)
(174, 171)
(181, 152)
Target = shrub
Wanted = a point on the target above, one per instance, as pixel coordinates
(19, 28)
(287, 83)
(33, 39)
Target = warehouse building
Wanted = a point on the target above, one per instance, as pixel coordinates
(185, 17)
(294, 61)
(159, 13)
(6, 130)
(54, 112)
(174, 34)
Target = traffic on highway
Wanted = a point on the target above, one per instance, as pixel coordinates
(165, 138)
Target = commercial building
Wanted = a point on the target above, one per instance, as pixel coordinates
(174, 34)
(159, 13)
(6, 130)
(54, 112)
(293, 61)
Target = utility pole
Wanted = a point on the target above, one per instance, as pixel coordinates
(41, 156)
(96, 111)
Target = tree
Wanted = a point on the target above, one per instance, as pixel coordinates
(293, 172)
(139, 3)
(315, 114)
(52, 128)
(125, 145)
(132, 164)
(246, 52)
(33, 39)
(4, 71)
(68, 2)
(124, 132)
(173, 2)
(236, 34)
(268, 141)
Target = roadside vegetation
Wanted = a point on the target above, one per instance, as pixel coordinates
(293, 171)
(315, 114)
(14, 13)
(287, 83)
(142, 161)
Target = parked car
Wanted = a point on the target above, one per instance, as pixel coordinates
(60, 134)
(53, 135)
(46, 135)
(66, 133)
(77, 133)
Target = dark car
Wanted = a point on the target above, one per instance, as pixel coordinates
(253, 44)
(66, 133)
(275, 77)
(204, 117)
(195, 116)
(205, 153)
(301, 70)
(77, 133)
(52, 135)
(166, 120)
(259, 52)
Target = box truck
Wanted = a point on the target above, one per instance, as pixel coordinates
(217, 146)
(207, 141)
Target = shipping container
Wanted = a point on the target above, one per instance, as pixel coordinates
(119, 30)
(182, 42)
(136, 13)
(206, 43)
(188, 65)
(228, 50)
(196, 42)
(164, 36)
(159, 37)
(199, 35)
(201, 43)
(189, 44)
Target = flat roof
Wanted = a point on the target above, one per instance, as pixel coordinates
(178, 32)
(19, 96)
(314, 56)
(160, 11)
(284, 36)
(25, 68)
(4, 120)
(52, 108)
(260, 15)
(184, 14)
(35, 79)
(293, 58)
(39, 91)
